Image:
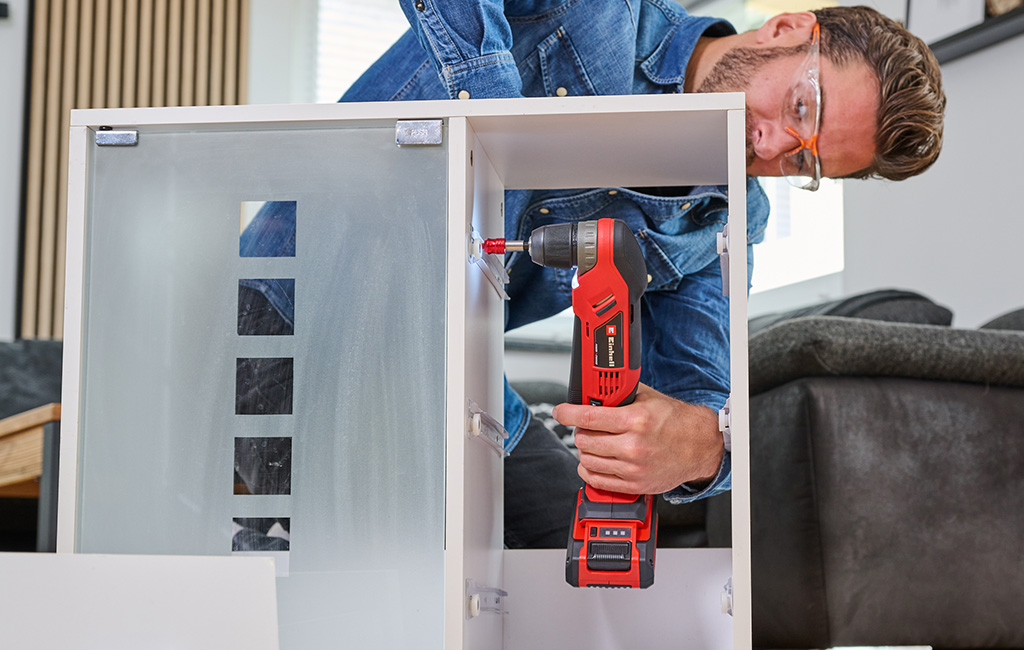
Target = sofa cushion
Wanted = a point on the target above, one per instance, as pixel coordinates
(888, 305)
(836, 346)
(1011, 321)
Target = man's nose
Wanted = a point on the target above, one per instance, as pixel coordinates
(777, 141)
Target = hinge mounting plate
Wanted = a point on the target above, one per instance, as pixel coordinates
(419, 132)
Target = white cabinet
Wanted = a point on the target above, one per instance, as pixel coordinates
(383, 510)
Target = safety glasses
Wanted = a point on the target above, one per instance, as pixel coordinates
(801, 118)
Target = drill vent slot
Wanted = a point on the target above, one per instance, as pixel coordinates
(604, 304)
(607, 382)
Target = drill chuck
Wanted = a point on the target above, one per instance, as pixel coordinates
(554, 246)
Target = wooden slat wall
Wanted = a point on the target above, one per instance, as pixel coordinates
(111, 54)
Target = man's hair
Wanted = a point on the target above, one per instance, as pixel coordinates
(910, 115)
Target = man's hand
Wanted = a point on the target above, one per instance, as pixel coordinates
(651, 446)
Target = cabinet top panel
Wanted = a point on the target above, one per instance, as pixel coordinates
(538, 143)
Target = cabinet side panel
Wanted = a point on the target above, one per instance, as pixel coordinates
(739, 392)
(484, 537)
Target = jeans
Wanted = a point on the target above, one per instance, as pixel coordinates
(541, 485)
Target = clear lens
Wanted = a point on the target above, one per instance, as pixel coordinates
(800, 111)
(809, 183)
(801, 163)
(802, 169)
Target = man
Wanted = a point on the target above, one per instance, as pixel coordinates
(839, 92)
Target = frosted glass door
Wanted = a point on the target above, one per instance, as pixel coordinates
(246, 393)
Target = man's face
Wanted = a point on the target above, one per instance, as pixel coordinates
(849, 108)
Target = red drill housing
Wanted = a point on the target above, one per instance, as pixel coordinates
(612, 540)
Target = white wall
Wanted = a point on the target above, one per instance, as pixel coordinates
(13, 44)
(955, 233)
(282, 52)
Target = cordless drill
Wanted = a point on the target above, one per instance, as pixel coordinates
(612, 540)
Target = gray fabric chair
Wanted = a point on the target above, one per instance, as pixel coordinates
(30, 375)
(887, 478)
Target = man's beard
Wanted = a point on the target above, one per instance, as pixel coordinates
(733, 72)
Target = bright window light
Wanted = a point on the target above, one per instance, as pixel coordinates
(804, 239)
(351, 35)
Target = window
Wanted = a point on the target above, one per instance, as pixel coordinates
(804, 239)
(351, 34)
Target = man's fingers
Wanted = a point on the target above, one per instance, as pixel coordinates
(595, 418)
(609, 482)
(619, 419)
(601, 464)
(621, 446)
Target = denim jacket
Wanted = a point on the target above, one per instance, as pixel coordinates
(490, 48)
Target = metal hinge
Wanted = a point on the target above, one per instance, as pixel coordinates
(418, 132)
(490, 264)
(481, 599)
(107, 137)
(483, 427)
(723, 256)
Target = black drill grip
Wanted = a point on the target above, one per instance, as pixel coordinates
(576, 366)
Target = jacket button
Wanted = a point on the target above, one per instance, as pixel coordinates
(685, 206)
(649, 278)
(463, 94)
(544, 211)
(612, 192)
(561, 92)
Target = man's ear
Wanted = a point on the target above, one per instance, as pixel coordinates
(787, 29)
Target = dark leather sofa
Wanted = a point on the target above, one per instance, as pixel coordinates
(887, 477)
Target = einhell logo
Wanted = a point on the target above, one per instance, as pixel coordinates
(607, 350)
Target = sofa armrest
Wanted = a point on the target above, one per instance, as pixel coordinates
(850, 347)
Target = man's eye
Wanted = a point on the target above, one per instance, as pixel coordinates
(800, 110)
(803, 166)
(799, 162)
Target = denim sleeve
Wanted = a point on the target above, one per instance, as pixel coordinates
(686, 354)
(470, 44)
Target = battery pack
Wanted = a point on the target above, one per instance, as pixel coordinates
(612, 540)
